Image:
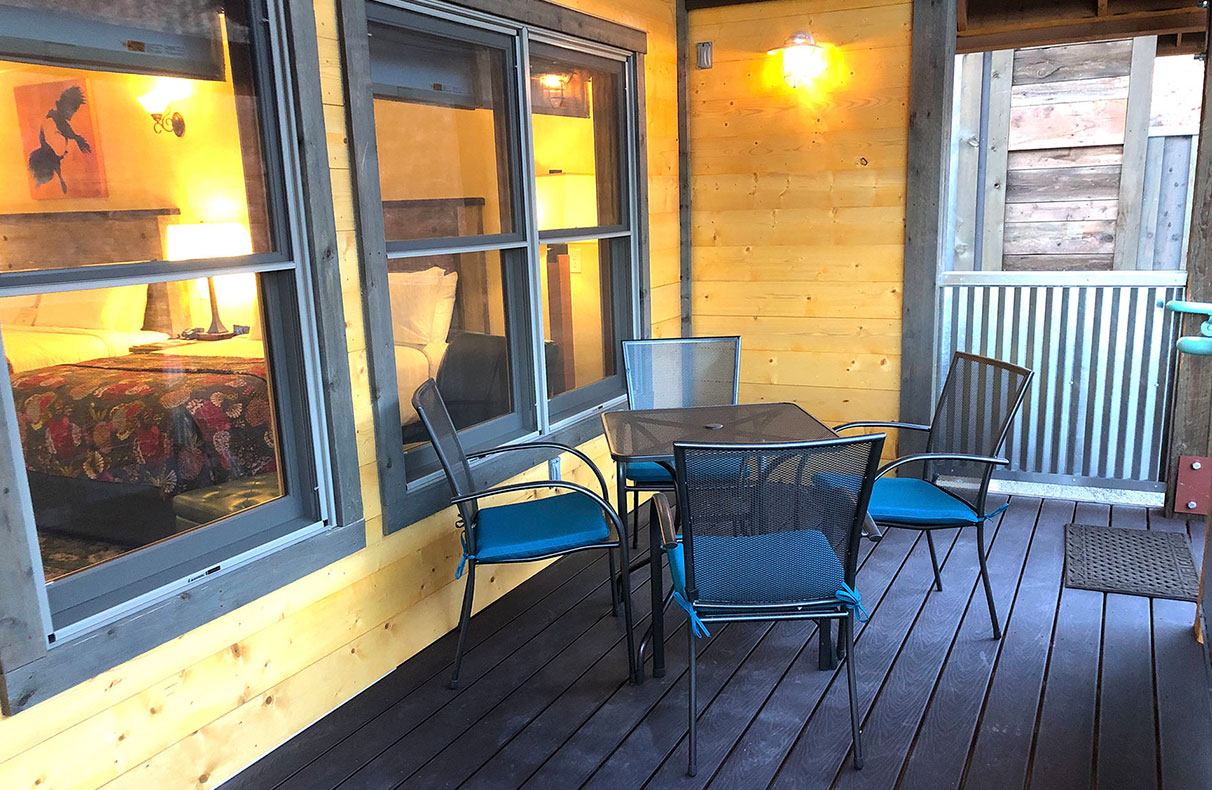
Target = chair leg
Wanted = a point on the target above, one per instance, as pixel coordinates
(826, 658)
(938, 578)
(980, 548)
(464, 619)
(692, 765)
(633, 667)
(856, 733)
(635, 519)
(614, 584)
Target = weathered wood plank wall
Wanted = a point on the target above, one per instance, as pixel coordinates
(193, 712)
(798, 202)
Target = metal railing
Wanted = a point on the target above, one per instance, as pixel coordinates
(1101, 345)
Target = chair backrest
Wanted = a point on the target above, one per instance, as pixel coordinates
(677, 372)
(773, 523)
(980, 399)
(427, 400)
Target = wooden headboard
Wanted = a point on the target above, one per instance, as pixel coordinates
(80, 238)
(444, 218)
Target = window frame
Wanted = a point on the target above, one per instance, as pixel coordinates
(406, 501)
(37, 662)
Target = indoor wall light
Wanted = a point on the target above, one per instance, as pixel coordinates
(554, 86)
(158, 103)
(803, 59)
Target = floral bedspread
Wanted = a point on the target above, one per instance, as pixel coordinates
(171, 422)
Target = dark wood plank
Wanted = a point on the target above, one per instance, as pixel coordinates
(601, 737)
(1064, 743)
(1127, 744)
(541, 599)
(931, 72)
(489, 672)
(1184, 711)
(460, 756)
(894, 718)
(824, 743)
(725, 718)
(1000, 755)
(940, 748)
(596, 690)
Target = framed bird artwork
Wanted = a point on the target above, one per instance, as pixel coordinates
(59, 136)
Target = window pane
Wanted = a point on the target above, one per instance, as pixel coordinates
(101, 150)
(442, 134)
(578, 321)
(450, 319)
(577, 124)
(130, 435)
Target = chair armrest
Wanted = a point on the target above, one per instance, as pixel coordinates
(905, 426)
(505, 448)
(664, 516)
(919, 457)
(530, 486)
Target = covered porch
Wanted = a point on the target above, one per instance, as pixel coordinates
(1084, 690)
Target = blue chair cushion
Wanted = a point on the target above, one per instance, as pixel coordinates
(539, 526)
(647, 472)
(780, 567)
(915, 502)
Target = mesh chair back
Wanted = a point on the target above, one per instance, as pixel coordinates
(432, 409)
(775, 523)
(678, 372)
(980, 400)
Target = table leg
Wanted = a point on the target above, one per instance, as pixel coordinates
(658, 587)
(826, 659)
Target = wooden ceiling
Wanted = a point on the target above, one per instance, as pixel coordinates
(1009, 24)
(982, 25)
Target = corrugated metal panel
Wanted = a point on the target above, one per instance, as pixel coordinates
(1103, 359)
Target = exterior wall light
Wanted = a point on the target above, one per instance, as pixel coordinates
(803, 59)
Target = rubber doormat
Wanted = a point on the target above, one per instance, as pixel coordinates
(1131, 561)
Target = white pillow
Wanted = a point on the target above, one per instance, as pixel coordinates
(119, 308)
(18, 310)
(422, 305)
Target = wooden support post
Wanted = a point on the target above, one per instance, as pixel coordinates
(931, 80)
(1136, 144)
(1192, 416)
(997, 143)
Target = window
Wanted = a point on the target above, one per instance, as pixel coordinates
(505, 158)
(153, 304)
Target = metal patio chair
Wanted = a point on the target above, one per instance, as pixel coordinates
(769, 532)
(980, 399)
(534, 529)
(673, 373)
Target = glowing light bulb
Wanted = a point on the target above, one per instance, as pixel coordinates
(803, 60)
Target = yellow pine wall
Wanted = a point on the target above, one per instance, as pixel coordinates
(194, 711)
(798, 200)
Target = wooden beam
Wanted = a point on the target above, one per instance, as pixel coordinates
(931, 75)
(1136, 144)
(1013, 35)
(997, 145)
(1189, 434)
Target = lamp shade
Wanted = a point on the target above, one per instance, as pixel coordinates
(567, 200)
(207, 240)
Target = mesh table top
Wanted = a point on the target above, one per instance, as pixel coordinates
(648, 435)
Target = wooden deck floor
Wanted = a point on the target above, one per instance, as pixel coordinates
(1084, 690)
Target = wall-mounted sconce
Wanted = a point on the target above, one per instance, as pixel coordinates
(554, 87)
(158, 104)
(803, 59)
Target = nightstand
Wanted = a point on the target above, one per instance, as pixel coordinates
(162, 345)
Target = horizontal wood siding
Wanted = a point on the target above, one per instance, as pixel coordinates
(197, 710)
(798, 202)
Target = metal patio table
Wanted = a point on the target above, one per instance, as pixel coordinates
(648, 435)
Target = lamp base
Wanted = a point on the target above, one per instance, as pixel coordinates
(200, 335)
